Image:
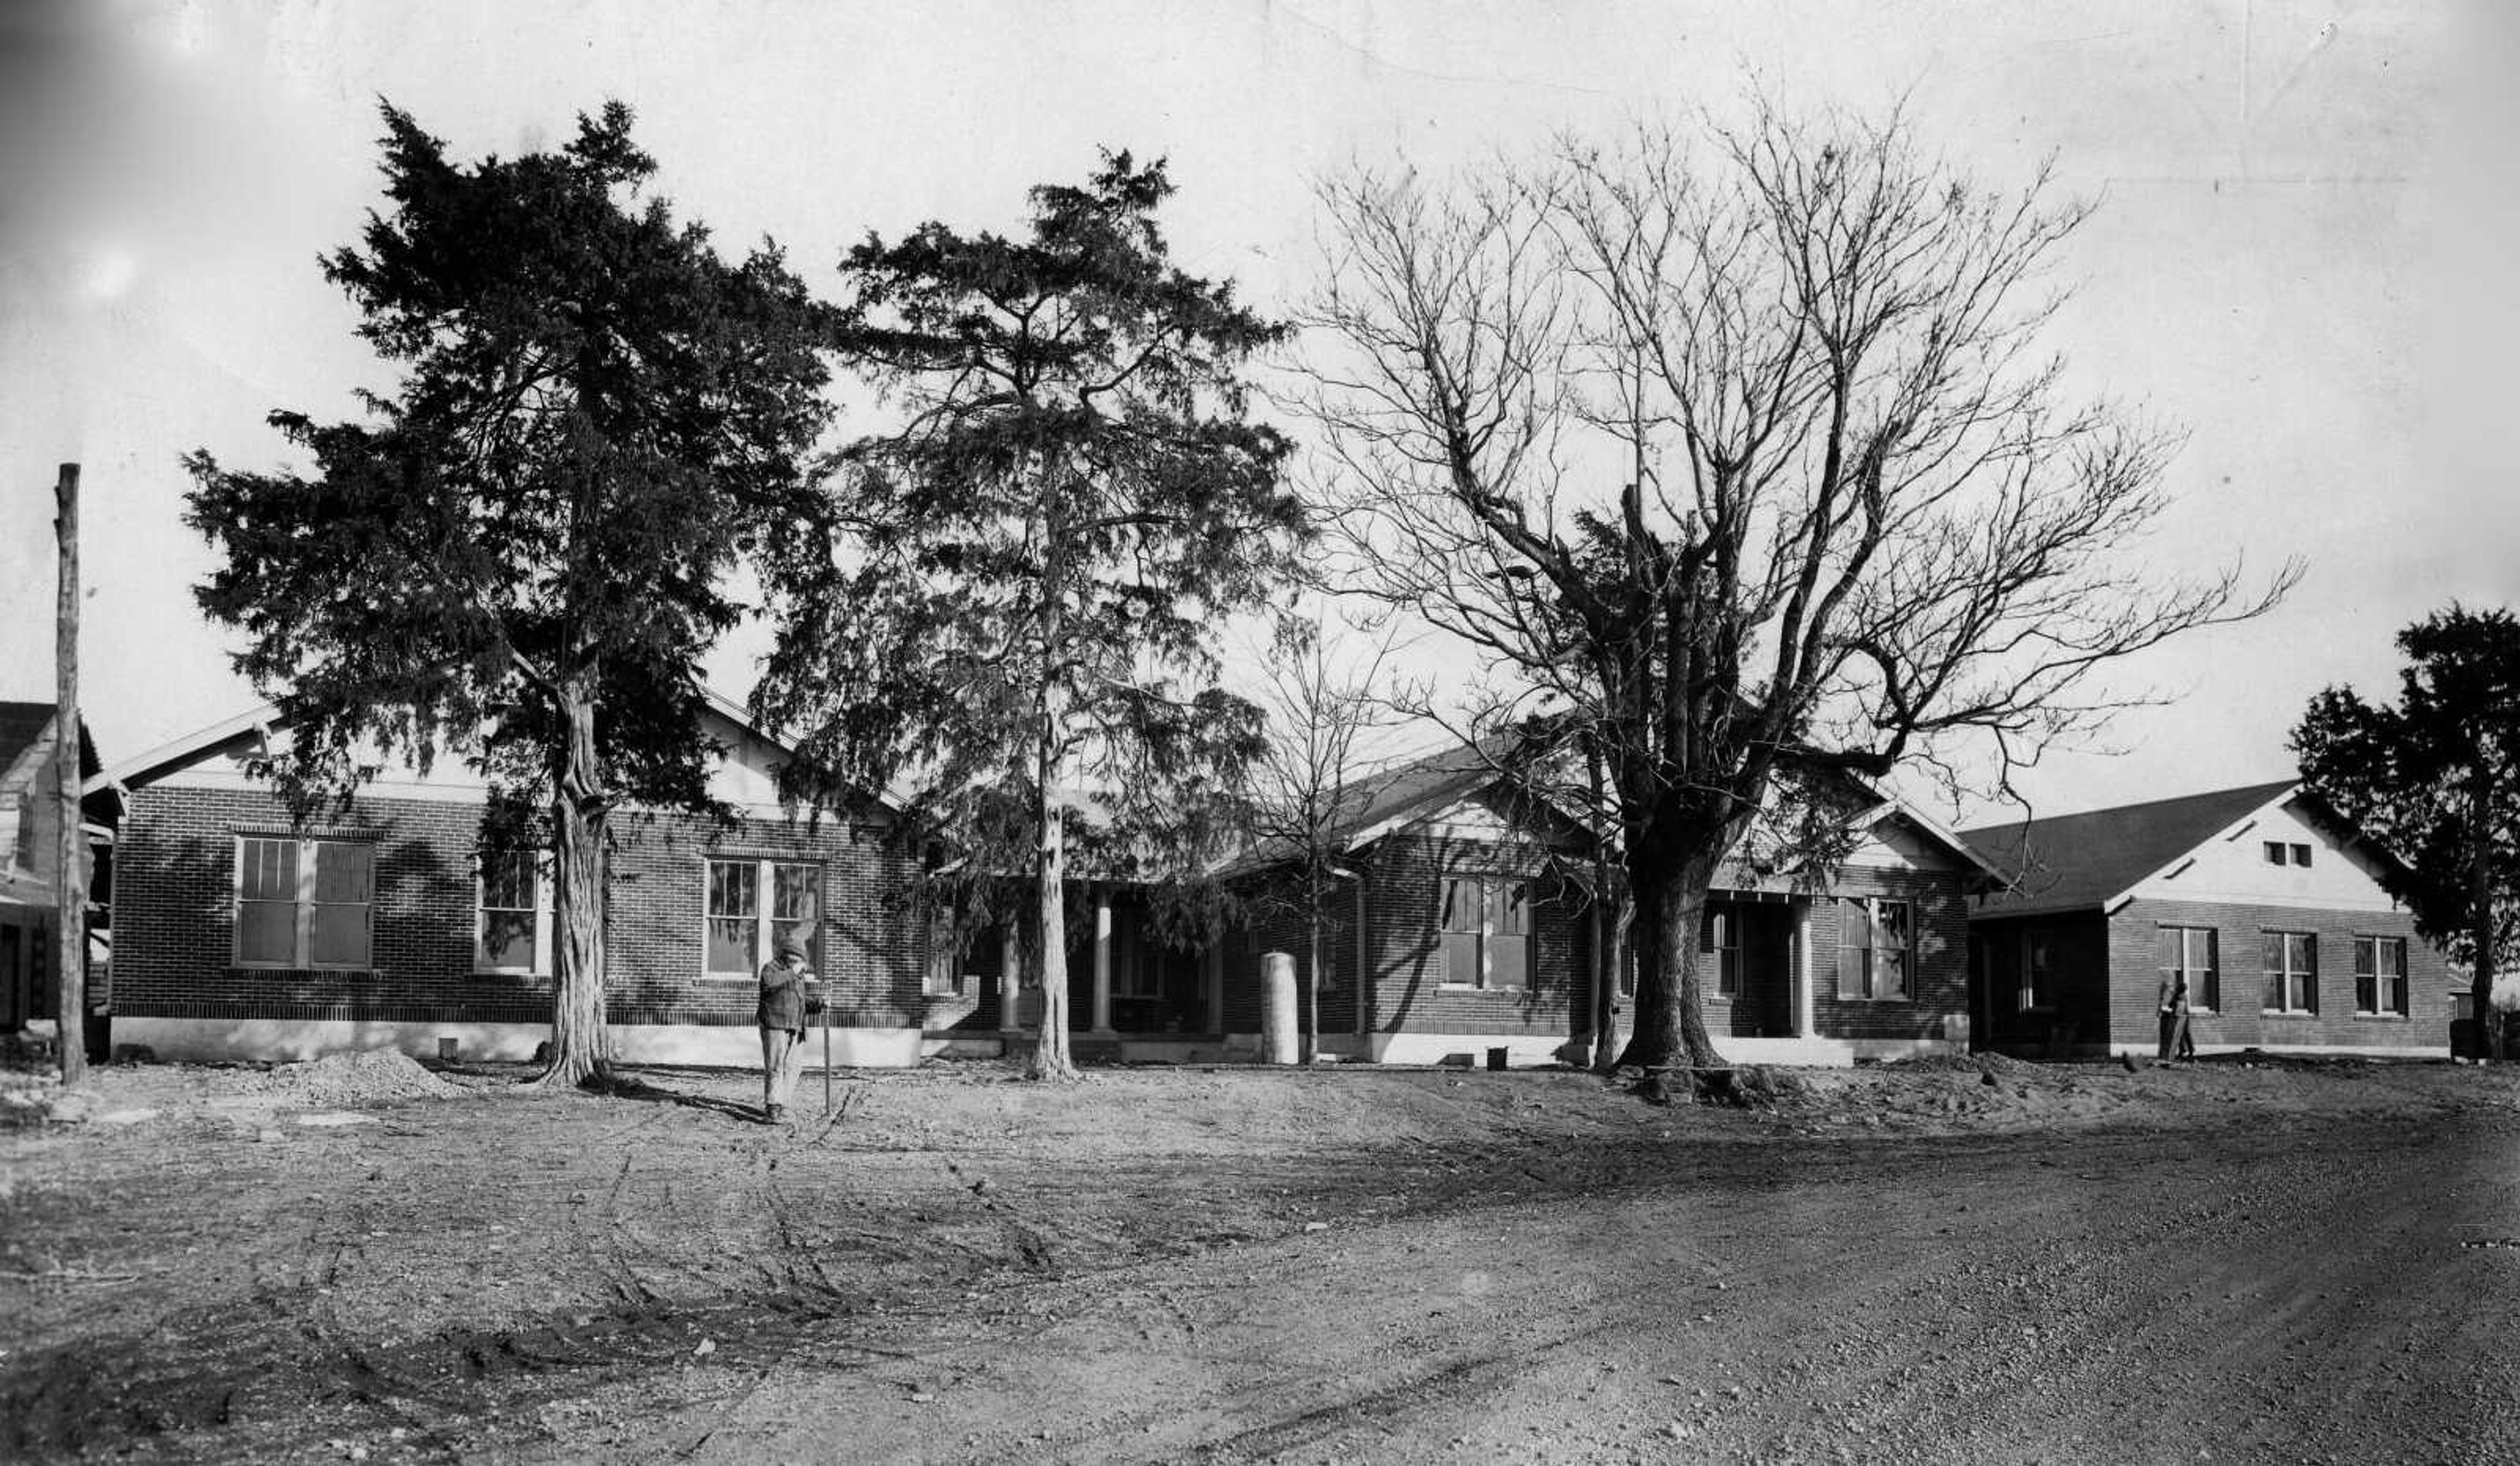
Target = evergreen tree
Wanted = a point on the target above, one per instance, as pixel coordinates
(2435, 781)
(520, 556)
(1014, 621)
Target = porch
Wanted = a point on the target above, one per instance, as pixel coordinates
(1130, 996)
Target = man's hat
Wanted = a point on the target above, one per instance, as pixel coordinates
(790, 947)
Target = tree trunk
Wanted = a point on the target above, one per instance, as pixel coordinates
(1671, 905)
(1052, 1058)
(69, 880)
(581, 1050)
(2480, 876)
(1309, 1046)
(1612, 920)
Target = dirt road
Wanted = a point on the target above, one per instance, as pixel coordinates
(2068, 1265)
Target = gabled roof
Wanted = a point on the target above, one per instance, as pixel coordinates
(22, 725)
(1393, 796)
(2089, 860)
(1432, 782)
(263, 718)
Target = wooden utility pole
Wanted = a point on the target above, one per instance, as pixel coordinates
(70, 965)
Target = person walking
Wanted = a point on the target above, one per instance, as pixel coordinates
(783, 1008)
(2175, 1041)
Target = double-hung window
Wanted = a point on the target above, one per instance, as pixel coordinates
(1719, 939)
(753, 905)
(1877, 943)
(1486, 923)
(2380, 975)
(303, 902)
(513, 932)
(2292, 972)
(2193, 952)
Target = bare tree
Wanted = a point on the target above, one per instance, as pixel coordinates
(1309, 782)
(1742, 455)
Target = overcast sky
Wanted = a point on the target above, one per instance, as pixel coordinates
(2302, 253)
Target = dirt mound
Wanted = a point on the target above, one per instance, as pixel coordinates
(1961, 1063)
(357, 1079)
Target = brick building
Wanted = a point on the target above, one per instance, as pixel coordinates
(2263, 896)
(30, 823)
(1466, 924)
(242, 934)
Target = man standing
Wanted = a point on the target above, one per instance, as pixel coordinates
(2174, 1042)
(785, 1005)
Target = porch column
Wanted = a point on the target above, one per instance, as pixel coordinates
(1802, 968)
(1009, 980)
(1102, 959)
(1212, 979)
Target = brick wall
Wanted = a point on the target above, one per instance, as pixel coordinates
(1937, 985)
(1408, 987)
(175, 925)
(2135, 978)
(1281, 929)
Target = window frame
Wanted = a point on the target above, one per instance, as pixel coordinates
(1869, 927)
(941, 976)
(303, 902)
(2274, 850)
(764, 915)
(1489, 899)
(2367, 947)
(2204, 995)
(2281, 979)
(545, 926)
(1718, 935)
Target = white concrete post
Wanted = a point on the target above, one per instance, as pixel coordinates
(1279, 1038)
(1802, 969)
(1102, 959)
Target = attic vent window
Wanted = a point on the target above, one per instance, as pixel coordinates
(2274, 852)
(2300, 855)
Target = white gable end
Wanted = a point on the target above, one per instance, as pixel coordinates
(1893, 844)
(1467, 820)
(2235, 868)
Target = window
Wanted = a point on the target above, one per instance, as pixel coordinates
(1876, 941)
(2195, 953)
(2292, 972)
(944, 977)
(2274, 852)
(303, 902)
(2038, 968)
(2380, 975)
(513, 929)
(1486, 931)
(1721, 938)
(2300, 855)
(752, 903)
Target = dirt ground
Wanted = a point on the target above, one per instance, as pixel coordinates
(366, 1261)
